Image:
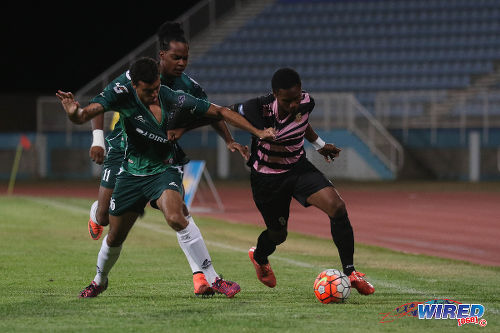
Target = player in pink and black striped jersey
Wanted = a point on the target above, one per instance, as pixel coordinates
(280, 171)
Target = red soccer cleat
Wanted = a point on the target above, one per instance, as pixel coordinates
(362, 286)
(228, 288)
(265, 273)
(93, 290)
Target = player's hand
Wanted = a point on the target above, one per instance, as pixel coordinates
(68, 102)
(329, 152)
(243, 150)
(96, 154)
(175, 134)
(267, 133)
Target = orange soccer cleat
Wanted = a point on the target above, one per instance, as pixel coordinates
(201, 286)
(95, 230)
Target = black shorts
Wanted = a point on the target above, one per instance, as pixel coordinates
(272, 194)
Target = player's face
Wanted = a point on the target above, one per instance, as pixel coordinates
(289, 99)
(148, 93)
(174, 61)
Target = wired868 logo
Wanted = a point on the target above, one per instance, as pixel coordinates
(439, 309)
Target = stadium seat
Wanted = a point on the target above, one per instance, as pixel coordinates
(359, 46)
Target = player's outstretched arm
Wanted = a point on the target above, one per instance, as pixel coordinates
(221, 128)
(75, 113)
(239, 121)
(328, 150)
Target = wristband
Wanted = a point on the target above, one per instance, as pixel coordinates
(318, 144)
(98, 138)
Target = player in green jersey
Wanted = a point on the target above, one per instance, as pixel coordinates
(174, 53)
(147, 109)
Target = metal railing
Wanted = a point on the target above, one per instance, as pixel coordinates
(407, 110)
(342, 110)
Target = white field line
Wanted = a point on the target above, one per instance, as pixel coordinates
(163, 230)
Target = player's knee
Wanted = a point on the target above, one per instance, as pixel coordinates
(113, 240)
(278, 237)
(176, 221)
(337, 207)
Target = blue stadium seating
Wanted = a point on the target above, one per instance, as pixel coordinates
(358, 46)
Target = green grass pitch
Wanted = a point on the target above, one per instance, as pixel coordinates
(47, 257)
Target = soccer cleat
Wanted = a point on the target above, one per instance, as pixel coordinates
(95, 230)
(93, 290)
(201, 286)
(362, 286)
(265, 273)
(228, 288)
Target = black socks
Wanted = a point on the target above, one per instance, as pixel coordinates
(343, 237)
(265, 247)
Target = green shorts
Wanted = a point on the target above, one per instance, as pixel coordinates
(111, 167)
(132, 193)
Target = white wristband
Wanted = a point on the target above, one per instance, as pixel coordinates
(98, 138)
(318, 144)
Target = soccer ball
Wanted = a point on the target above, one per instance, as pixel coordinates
(332, 285)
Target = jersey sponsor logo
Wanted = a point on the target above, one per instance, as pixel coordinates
(173, 184)
(151, 136)
(193, 110)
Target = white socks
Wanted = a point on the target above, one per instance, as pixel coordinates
(193, 245)
(106, 259)
(190, 241)
(93, 212)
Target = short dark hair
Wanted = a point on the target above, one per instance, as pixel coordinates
(285, 78)
(170, 31)
(144, 69)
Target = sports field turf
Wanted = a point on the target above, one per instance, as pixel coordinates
(47, 257)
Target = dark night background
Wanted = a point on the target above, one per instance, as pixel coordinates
(63, 45)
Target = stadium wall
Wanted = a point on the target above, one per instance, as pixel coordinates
(63, 156)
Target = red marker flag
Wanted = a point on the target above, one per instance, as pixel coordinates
(25, 142)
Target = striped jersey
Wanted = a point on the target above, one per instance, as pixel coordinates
(281, 155)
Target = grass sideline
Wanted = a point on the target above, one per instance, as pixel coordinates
(48, 257)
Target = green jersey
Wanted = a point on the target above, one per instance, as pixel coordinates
(184, 83)
(148, 150)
